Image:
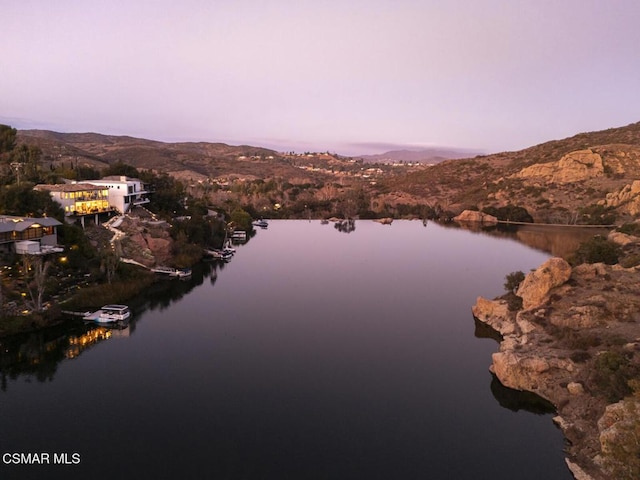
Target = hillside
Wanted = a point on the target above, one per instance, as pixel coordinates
(587, 178)
(423, 155)
(184, 160)
(590, 178)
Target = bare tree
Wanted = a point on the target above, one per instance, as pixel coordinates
(110, 261)
(35, 270)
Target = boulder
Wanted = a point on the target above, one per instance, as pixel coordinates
(590, 271)
(575, 388)
(621, 238)
(494, 313)
(536, 286)
(476, 217)
(628, 199)
(573, 167)
(530, 372)
(617, 425)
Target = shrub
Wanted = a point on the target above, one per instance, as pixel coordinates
(612, 374)
(580, 356)
(514, 302)
(597, 250)
(513, 281)
(630, 229)
(509, 212)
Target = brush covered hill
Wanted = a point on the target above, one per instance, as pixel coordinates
(588, 178)
(185, 160)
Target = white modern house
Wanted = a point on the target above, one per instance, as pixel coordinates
(79, 200)
(95, 197)
(124, 192)
(24, 235)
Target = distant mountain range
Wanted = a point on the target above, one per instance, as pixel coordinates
(423, 155)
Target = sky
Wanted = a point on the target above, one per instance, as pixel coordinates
(346, 76)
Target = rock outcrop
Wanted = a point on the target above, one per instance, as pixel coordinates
(535, 288)
(622, 238)
(472, 216)
(552, 348)
(573, 167)
(627, 200)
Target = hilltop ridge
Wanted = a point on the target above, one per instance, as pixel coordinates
(589, 178)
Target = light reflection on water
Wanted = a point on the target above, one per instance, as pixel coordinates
(313, 354)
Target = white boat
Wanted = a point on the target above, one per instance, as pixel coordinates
(239, 235)
(218, 254)
(182, 273)
(173, 272)
(261, 223)
(110, 313)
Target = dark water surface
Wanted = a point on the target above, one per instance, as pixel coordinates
(315, 354)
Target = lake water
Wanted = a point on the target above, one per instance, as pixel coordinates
(314, 354)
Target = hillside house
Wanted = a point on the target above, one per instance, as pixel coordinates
(95, 197)
(28, 235)
(79, 200)
(124, 192)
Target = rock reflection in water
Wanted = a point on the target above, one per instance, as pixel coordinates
(516, 400)
(559, 241)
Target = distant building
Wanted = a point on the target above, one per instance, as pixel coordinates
(28, 235)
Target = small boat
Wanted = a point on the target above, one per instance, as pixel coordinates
(109, 314)
(173, 272)
(182, 273)
(261, 223)
(239, 235)
(218, 254)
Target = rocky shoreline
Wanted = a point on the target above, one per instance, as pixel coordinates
(576, 343)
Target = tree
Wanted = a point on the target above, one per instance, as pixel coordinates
(35, 270)
(7, 138)
(109, 264)
(241, 219)
(513, 281)
(26, 162)
(24, 200)
(121, 168)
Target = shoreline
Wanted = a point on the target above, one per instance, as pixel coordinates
(574, 323)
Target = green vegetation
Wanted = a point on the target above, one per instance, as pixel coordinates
(612, 372)
(22, 200)
(509, 213)
(7, 138)
(597, 250)
(513, 281)
(630, 229)
(511, 284)
(596, 215)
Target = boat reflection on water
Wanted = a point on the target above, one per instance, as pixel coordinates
(97, 334)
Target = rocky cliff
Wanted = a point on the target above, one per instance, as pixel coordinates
(576, 342)
(573, 167)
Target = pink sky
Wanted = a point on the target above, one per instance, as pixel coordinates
(492, 75)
